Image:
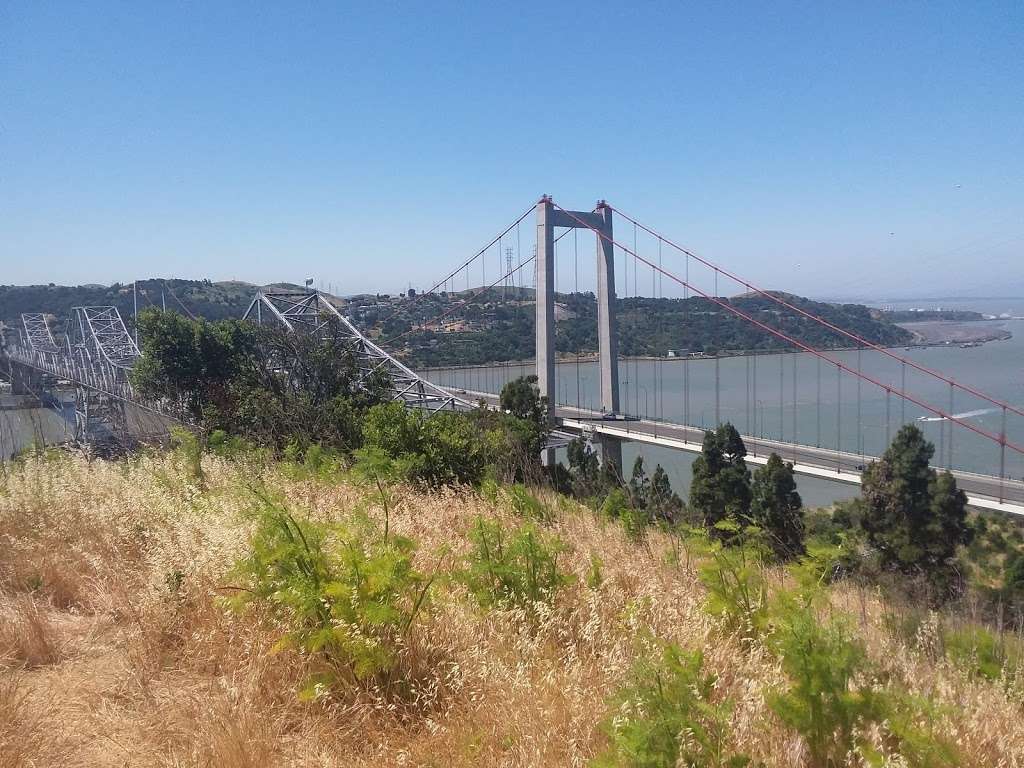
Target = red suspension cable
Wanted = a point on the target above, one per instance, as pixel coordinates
(1000, 439)
(479, 292)
(848, 334)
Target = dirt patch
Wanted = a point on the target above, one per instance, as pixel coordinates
(943, 331)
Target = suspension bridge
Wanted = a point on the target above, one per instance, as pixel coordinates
(97, 352)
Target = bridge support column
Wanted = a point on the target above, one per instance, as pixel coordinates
(607, 336)
(545, 304)
(600, 221)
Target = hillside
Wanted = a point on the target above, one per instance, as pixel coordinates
(496, 325)
(130, 637)
(497, 329)
(203, 298)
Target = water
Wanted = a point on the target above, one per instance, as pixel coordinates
(826, 408)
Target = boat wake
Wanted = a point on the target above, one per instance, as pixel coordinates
(964, 415)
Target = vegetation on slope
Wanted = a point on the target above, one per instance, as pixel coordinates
(646, 326)
(371, 587)
(228, 609)
(203, 298)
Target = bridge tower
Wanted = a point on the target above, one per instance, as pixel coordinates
(600, 220)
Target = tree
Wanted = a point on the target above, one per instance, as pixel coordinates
(191, 362)
(589, 477)
(522, 399)
(721, 481)
(776, 507)
(663, 501)
(639, 486)
(914, 517)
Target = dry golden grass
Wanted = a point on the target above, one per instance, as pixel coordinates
(117, 648)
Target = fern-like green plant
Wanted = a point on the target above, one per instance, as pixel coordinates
(737, 592)
(828, 698)
(346, 596)
(513, 568)
(665, 716)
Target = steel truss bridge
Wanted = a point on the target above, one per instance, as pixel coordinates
(97, 353)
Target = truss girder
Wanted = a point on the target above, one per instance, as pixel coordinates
(311, 312)
(106, 337)
(37, 333)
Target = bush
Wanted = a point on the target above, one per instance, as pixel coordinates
(516, 568)
(444, 449)
(826, 701)
(346, 596)
(737, 592)
(665, 716)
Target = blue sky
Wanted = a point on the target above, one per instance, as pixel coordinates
(852, 149)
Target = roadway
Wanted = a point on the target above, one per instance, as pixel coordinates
(983, 491)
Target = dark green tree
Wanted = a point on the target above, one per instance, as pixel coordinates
(776, 508)
(721, 481)
(521, 399)
(662, 500)
(639, 486)
(588, 476)
(914, 517)
(192, 362)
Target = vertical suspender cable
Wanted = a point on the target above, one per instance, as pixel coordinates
(576, 289)
(689, 331)
(756, 401)
(860, 423)
(949, 462)
(1002, 455)
(718, 384)
(782, 395)
(903, 400)
(661, 335)
(839, 419)
(636, 300)
(888, 428)
(817, 414)
(746, 402)
(795, 356)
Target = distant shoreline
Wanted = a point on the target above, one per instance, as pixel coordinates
(591, 357)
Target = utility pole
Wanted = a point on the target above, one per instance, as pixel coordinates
(135, 309)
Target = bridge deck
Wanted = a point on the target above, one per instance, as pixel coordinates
(983, 491)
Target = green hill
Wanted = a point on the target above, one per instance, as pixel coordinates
(202, 298)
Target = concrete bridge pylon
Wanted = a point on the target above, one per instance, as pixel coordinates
(600, 220)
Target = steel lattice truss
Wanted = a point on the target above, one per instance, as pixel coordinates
(96, 356)
(37, 333)
(313, 313)
(103, 333)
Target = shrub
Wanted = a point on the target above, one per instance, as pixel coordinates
(826, 701)
(665, 716)
(526, 505)
(618, 506)
(981, 651)
(517, 568)
(188, 454)
(346, 596)
(737, 592)
(444, 449)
